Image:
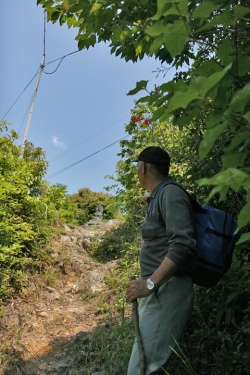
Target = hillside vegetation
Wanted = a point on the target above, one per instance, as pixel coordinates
(31, 208)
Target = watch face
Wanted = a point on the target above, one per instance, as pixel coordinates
(150, 284)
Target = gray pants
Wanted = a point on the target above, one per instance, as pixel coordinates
(163, 317)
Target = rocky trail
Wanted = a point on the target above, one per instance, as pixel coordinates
(49, 316)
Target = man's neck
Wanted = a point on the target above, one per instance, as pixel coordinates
(153, 182)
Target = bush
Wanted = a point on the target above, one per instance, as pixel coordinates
(86, 202)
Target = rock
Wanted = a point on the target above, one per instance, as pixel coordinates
(43, 314)
(86, 244)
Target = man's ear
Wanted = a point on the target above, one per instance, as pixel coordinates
(144, 168)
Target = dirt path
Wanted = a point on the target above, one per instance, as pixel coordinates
(44, 322)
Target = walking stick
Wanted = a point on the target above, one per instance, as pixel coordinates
(138, 336)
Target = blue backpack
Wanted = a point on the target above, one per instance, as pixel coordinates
(215, 236)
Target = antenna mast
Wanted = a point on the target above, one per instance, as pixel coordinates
(32, 107)
(35, 93)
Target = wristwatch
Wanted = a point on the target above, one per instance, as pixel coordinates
(150, 285)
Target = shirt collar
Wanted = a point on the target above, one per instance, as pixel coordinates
(163, 182)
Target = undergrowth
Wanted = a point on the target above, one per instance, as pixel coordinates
(216, 340)
(106, 350)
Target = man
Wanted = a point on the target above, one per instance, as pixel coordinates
(165, 289)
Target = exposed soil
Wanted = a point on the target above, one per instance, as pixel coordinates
(43, 323)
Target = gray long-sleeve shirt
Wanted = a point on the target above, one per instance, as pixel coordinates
(167, 230)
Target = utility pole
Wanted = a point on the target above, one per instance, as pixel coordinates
(32, 107)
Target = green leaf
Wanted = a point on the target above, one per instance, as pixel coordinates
(213, 118)
(244, 217)
(139, 49)
(230, 177)
(175, 37)
(234, 160)
(221, 99)
(157, 29)
(241, 94)
(243, 66)
(240, 11)
(144, 99)
(181, 99)
(141, 85)
(222, 19)
(182, 7)
(71, 22)
(247, 116)
(241, 138)
(116, 35)
(55, 15)
(225, 52)
(214, 78)
(209, 138)
(162, 6)
(197, 89)
(204, 10)
(95, 6)
(172, 10)
(219, 189)
(243, 238)
(208, 67)
(158, 113)
(157, 43)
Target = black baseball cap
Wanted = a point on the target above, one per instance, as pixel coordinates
(154, 155)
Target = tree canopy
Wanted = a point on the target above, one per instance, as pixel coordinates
(209, 43)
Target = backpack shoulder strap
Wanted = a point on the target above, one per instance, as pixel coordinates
(196, 207)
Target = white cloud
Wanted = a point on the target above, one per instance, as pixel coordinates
(56, 142)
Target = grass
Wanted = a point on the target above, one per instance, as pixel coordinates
(106, 350)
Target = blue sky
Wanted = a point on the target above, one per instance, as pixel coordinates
(81, 108)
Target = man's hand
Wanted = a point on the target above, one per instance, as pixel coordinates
(137, 289)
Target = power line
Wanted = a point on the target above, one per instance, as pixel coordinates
(86, 140)
(62, 57)
(56, 67)
(87, 157)
(21, 94)
(91, 165)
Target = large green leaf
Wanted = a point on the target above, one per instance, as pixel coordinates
(243, 238)
(157, 29)
(204, 9)
(209, 138)
(162, 6)
(175, 37)
(197, 89)
(234, 159)
(244, 217)
(240, 11)
(241, 95)
(181, 99)
(239, 139)
(213, 119)
(231, 177)
(141, 85)
(247, 116)
(157, 43)
(225, 52)
(214, 78)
